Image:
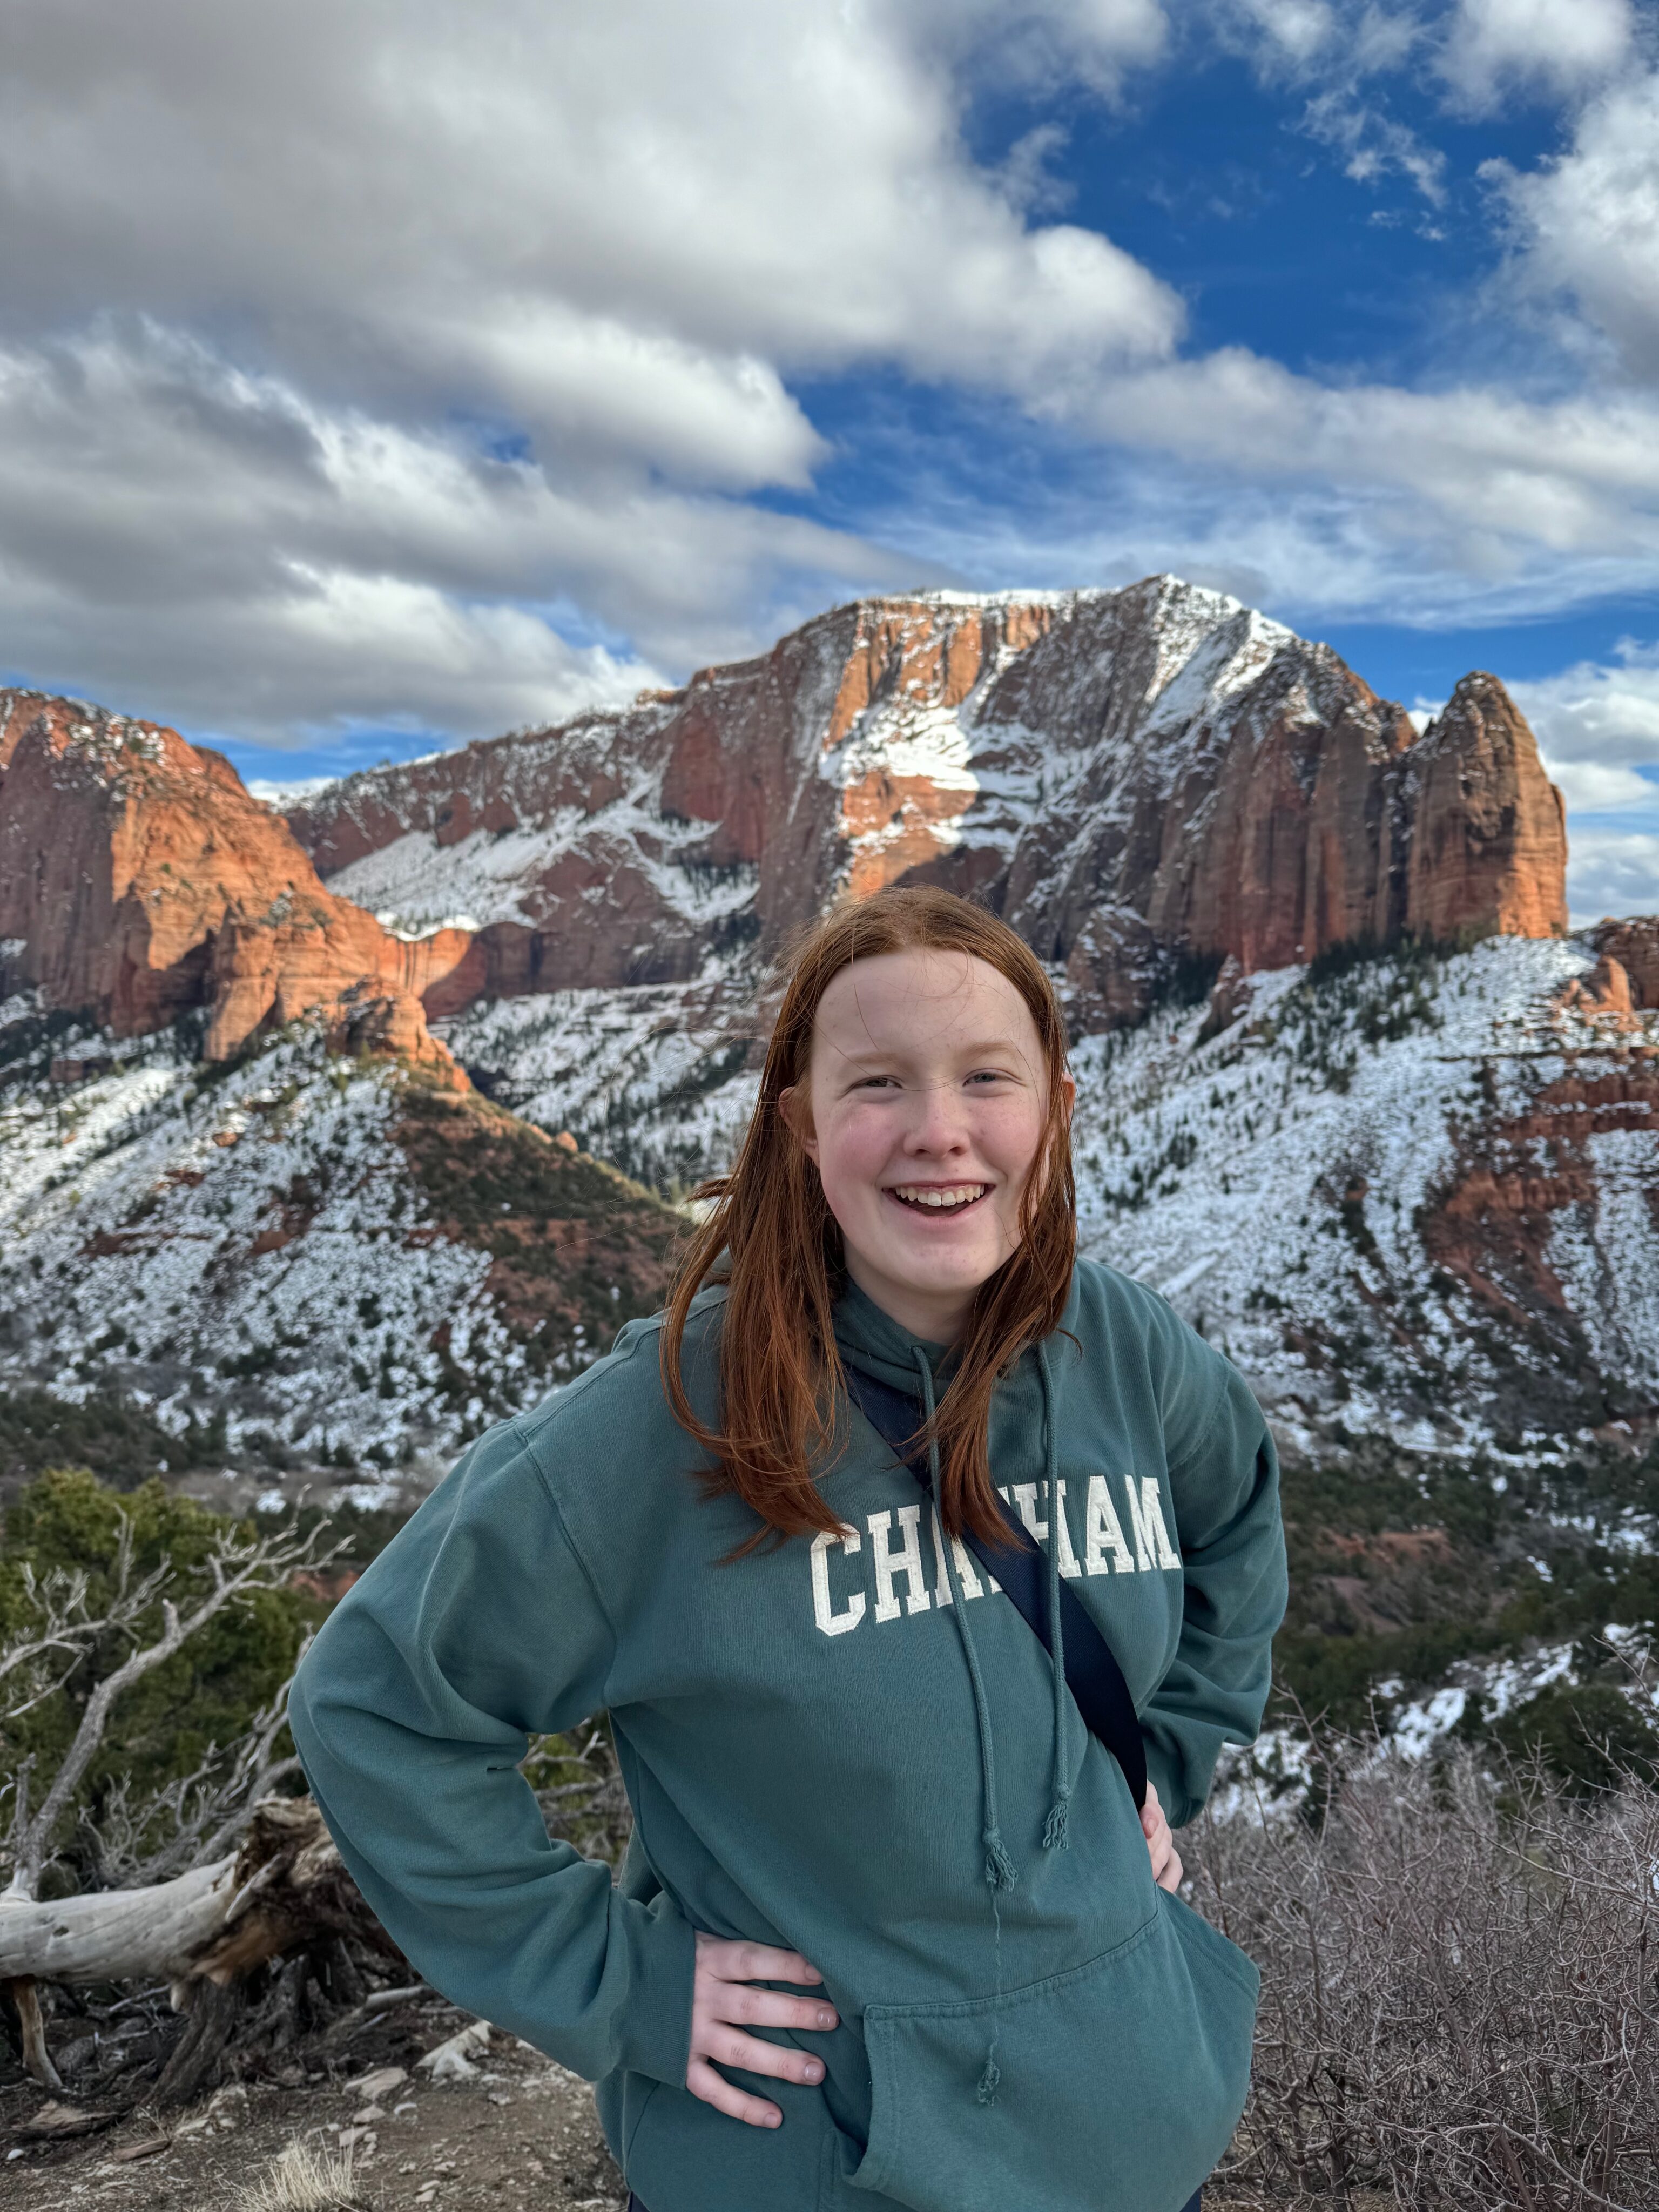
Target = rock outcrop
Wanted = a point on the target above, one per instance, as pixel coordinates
(1632, 947)
(1125, 775)
(139, 881)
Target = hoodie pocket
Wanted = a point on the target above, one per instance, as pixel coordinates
(1121, 2081)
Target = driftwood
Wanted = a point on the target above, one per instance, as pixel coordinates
(205, 1933)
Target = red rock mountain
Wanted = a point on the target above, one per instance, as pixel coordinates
(1122, 774)
(1125, 775)
(139, 881)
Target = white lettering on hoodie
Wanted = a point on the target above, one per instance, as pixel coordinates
(1105, 1550)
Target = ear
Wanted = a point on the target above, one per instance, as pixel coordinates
(1068, 1095)
(795, 1108)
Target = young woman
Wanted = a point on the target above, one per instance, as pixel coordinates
(890, 1930)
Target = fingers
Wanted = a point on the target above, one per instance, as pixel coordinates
(753, 1962)
(767, 2009)
(735, 1960)
(1170, 1874)
(725, 2096)
(730, 2046)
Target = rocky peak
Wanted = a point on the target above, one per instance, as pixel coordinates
(139, 881)
(1125, 775)
(1489, 846)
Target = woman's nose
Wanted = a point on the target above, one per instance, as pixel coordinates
(939, 1124)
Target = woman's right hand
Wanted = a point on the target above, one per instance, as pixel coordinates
(723, 2004)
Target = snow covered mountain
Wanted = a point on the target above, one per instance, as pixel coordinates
(1127, 776)
(297, 1264)
(1411, 1185)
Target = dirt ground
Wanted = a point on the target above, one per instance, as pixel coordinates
(518, 2131)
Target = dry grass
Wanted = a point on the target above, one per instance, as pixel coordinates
(1460, 2001)
(303, 2180)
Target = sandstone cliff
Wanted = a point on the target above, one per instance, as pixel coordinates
(139, 881)
(1124, 775)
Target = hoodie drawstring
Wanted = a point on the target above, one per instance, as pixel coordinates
(1000, 1870)
(1000, 1873)
(1055, 1836)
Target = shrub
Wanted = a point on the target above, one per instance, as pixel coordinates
(1458, 2002)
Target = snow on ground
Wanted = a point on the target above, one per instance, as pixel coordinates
(1266, 1180)
(250, 1243)
(1274, 1173)
(653, 1078)
(415, 885)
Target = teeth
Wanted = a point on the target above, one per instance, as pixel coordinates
(940, 1200)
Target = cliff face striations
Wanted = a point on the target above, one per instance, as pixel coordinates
(139, 881)
(1123, 775)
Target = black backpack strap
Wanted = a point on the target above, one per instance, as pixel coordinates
(1092, 1674)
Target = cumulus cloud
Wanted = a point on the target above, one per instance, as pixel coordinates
(209, 546)
(1611, 872)
(367, 361)
(1600, 723)
(397, 195)
(382, 330)
(1598, 729)
(1472, 483)
(1558, 46)
(1587, 225)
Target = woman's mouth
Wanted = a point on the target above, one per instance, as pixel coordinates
(950, 1198)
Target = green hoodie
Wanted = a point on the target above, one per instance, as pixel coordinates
(822, 1743)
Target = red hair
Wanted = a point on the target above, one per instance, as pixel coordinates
(770, 1237)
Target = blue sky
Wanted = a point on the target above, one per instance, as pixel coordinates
(369, 383)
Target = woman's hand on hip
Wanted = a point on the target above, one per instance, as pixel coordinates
(723, 2004)
(1167, 1869)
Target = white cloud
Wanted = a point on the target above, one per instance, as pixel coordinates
(1611, 872)
(207, 546)
(1298, 30)
(1598, 727)
(1476, 485)
(1600, 720)
(1555, 46)
(1038, 44)
(1587, 225)
(276, 283)
(503, 205)
(344, 345)
(1372, 144)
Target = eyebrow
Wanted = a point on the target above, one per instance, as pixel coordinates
(982, 1049)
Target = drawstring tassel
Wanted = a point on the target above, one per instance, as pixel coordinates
(1000, 1870)
(1054, 1837)
(986, 2091)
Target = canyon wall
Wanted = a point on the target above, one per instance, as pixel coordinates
(1123, 775)
(139, 882)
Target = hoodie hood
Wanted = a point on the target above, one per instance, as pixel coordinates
(869, 1339)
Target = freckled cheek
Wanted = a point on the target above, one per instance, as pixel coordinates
(1007, 1140)
(853, 1157)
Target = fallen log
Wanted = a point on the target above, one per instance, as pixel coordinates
(118, 1935)
(204, 1932)
(287, 1885)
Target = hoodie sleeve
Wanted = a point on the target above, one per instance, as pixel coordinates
(478, 1627)
(1224, 1481)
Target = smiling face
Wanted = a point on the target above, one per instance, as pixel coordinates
(924, 1110)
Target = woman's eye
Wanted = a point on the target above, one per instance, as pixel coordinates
(988, 1075)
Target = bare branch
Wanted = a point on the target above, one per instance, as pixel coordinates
(237, 1567)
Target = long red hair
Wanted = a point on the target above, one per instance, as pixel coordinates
(770, 1237)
